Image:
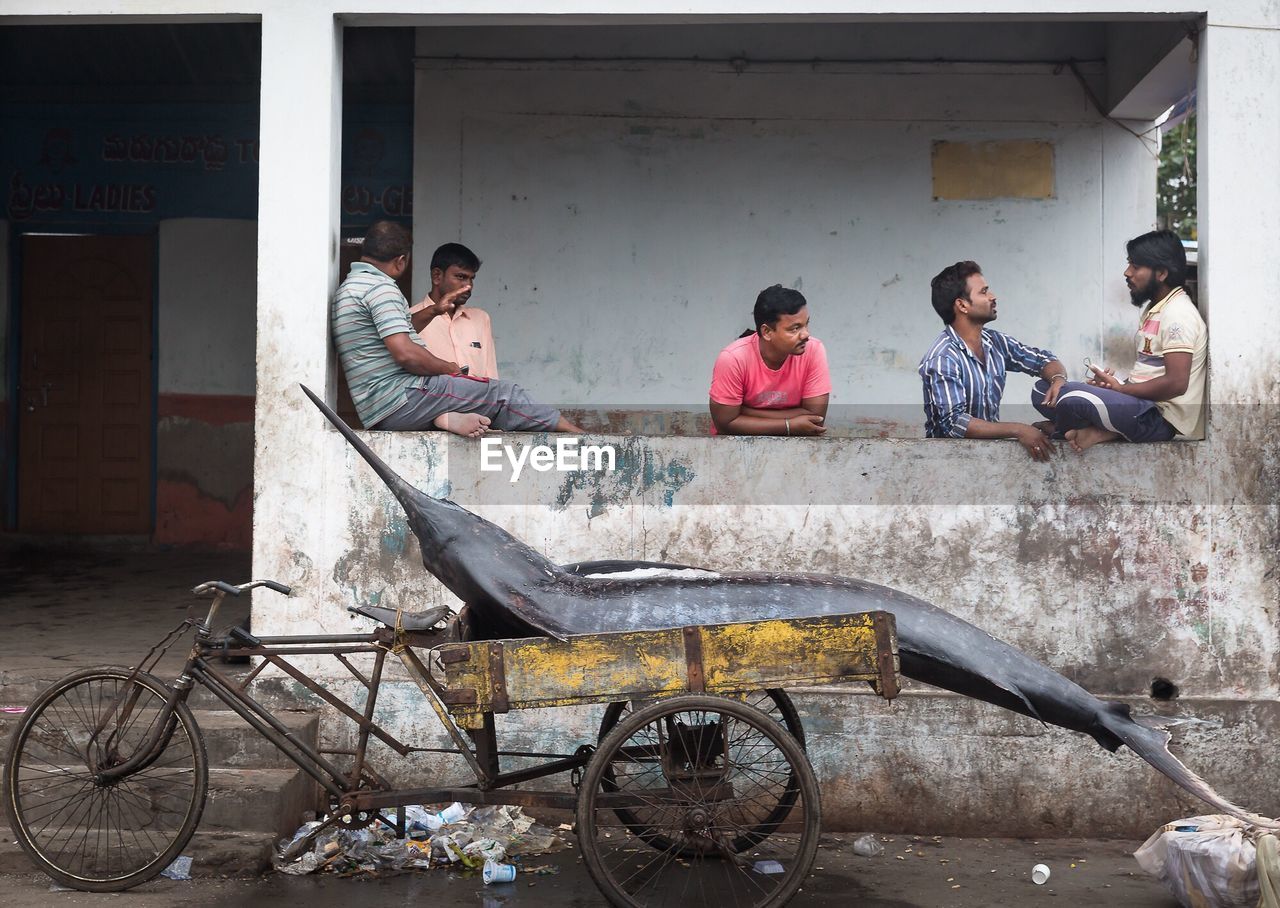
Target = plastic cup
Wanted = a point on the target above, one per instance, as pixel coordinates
(452, 814)
(498, 873)
(1039, 874)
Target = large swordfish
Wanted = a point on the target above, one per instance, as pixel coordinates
(514, 591)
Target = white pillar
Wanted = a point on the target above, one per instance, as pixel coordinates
(1237, 200)
(298, 184)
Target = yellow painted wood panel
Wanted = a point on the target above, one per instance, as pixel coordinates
(805, 651)
(595, 668)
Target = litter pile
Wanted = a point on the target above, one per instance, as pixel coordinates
(457, 836)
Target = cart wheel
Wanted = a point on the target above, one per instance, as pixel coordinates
(776, 705)
(679, 806)
(103, 837)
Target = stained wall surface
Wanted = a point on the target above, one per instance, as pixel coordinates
(1116, 568)
(629, 214)
(204, 432)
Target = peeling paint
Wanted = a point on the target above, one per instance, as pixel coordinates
(640, 472)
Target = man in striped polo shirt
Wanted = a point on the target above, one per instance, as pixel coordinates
(395, 381)
(965, 368)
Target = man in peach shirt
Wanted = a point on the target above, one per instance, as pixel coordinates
(463, 336)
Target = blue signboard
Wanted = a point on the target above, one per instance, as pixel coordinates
(87, 164)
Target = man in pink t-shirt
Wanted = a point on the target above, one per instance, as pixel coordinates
(775, 381)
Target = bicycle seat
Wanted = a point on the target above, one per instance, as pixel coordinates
(409, 621)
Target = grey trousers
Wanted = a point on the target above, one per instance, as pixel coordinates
(507, 405)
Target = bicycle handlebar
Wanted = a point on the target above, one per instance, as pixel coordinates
(222, 586)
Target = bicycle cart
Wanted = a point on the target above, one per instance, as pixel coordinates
(696, 789)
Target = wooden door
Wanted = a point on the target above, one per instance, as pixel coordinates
(85, 388)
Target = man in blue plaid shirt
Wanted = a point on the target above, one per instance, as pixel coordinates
(965, 368)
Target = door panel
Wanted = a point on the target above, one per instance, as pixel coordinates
(84, 430)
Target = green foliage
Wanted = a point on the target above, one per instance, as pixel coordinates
(1176, 180)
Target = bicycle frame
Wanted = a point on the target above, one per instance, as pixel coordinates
(362, 790)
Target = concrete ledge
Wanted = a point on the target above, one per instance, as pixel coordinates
(1125, 565)
(930, 763)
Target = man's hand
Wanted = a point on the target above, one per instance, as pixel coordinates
(807, 424)
(1036, 443)
(448, 303)
(1055, 388)
(1106, 378)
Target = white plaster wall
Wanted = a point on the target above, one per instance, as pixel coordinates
(628, 217)
(208, 306)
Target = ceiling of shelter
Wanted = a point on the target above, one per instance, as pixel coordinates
(204, 62)
(892, 41)
(222, 61)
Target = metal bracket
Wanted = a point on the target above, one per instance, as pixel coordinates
(693, 659)
(448, 655)
(498, 680)
(881, 622)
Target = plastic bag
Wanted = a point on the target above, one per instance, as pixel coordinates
(180, 869)
(868, 846)
(1206, 862)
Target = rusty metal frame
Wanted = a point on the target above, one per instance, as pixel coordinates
(276, 651)
(886, 654)
(361, 787)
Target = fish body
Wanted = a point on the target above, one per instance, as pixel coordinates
(512, 591)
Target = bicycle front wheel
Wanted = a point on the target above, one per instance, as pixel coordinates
(104, 836)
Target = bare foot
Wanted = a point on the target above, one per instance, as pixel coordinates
(468, 425)
(565, 426)
(1083, 439)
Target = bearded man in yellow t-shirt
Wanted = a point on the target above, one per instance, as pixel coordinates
(1163, 396)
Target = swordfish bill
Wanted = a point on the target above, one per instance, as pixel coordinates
(514, 591)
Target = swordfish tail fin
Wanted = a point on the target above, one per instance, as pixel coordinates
(1152, 744)
(404, 492)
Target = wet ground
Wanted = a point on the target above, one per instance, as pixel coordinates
(63, 610)
(950, 873)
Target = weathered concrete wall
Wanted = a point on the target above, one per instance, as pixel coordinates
(730, 179)
(1129, 563)
(1111, 570)
(204, 432)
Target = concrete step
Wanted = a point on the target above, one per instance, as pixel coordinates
(21, 688)
(228, 739)
(231, 742)
(253, 787)
(258, 800)
(213, 853)
(239, 800)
